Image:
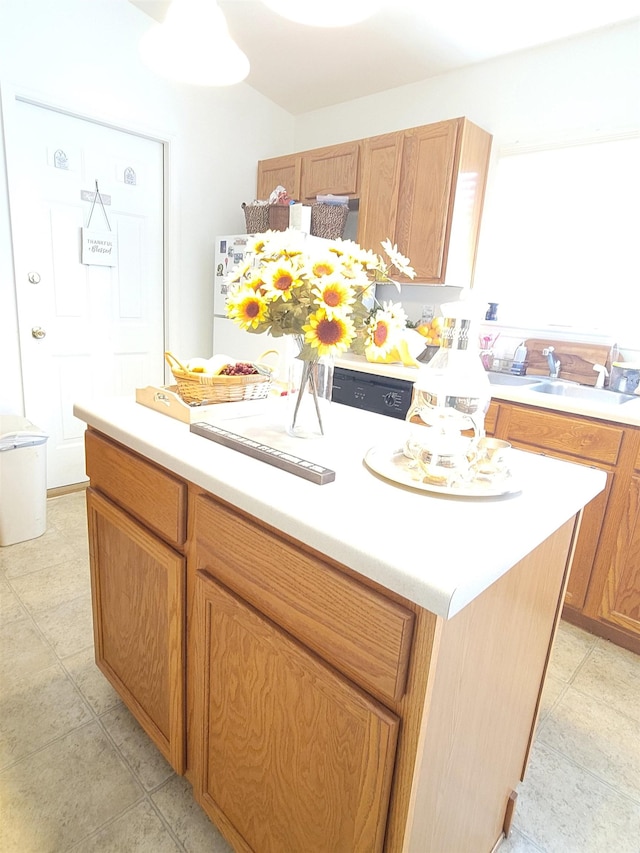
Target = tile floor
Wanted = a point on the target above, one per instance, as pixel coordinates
(78, 774)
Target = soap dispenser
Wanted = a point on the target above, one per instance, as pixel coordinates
(519, 366)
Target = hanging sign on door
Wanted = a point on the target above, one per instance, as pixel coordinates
(99, 248)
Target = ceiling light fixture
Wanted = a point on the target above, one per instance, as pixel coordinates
(193, 45)
(325, 13)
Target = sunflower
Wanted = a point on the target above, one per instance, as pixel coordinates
(334, 296)
(382, 330)
(329, 335)
(281, 278)
(323, 266)
(241, 271)
(320, 291)
(246, 307)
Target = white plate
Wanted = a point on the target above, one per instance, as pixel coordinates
(391, 463)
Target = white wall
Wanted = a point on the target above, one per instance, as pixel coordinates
(82, 55)
(581, 86)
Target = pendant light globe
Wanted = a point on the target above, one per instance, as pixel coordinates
(193, 46)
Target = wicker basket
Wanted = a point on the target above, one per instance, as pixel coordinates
(201, 387)
(256, 217)
(278, 217)
(328, 220)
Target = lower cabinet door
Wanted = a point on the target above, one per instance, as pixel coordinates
(621, 597)
(293, 756)
(137, 586)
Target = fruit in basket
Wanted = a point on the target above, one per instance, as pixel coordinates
(209, 366)
(238, 368)
(197, 365)
(432, 332)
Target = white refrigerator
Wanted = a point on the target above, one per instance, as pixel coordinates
(228, 338)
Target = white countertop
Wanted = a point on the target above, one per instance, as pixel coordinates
(627, 414)
(438, 551)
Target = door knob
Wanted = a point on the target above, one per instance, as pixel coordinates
(34, 278)
(38, 332)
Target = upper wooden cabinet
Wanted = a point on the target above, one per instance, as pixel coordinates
(279, 172)
(330, 170)
(381, 162)
(305, 175)
(422, 188)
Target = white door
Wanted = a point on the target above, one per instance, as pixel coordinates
(84, 330)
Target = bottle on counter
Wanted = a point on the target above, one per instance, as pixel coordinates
(492, 311)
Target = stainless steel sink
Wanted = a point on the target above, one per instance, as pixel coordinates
(510, 379)
(582, 392)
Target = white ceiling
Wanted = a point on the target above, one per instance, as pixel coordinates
(303, 68)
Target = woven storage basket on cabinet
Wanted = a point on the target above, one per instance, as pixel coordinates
(328, 220)
(256, 217)
(201, 387)
(278, 217)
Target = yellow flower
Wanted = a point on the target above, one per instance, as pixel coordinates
(383, 330)
(334, 296)
(323, 266)
(318, 290)
(329, 335)
(239, 272)
(246, 307)
(280, 279)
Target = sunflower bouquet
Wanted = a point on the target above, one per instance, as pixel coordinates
(321, 291)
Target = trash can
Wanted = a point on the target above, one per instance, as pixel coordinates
(23, 480)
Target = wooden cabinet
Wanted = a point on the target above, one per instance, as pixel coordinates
(603, 590)
(620, 602)
(322, 712)
(279, 172)
(381, 162)
(285, 647)
(576, 440)
(491, 418)
(333, 169)
(295, 757)
(320, 171)
(422, 188)
(138, 590)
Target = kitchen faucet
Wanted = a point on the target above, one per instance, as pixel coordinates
(554, 363)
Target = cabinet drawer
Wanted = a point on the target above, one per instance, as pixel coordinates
(574, 436)
(491, 418)
(354, 628)
(153, 496)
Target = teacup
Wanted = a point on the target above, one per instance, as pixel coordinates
(489, 457)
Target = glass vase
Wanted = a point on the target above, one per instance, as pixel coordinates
(309, 389)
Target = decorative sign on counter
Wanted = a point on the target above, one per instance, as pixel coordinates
(278, 458)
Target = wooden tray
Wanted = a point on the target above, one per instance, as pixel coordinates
(166, 400)
(576, 359)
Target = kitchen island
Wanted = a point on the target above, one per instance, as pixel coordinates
(353, 666)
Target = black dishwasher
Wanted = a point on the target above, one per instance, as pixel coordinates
(383, 395)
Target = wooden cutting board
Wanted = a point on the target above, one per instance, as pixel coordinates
(576, 359)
